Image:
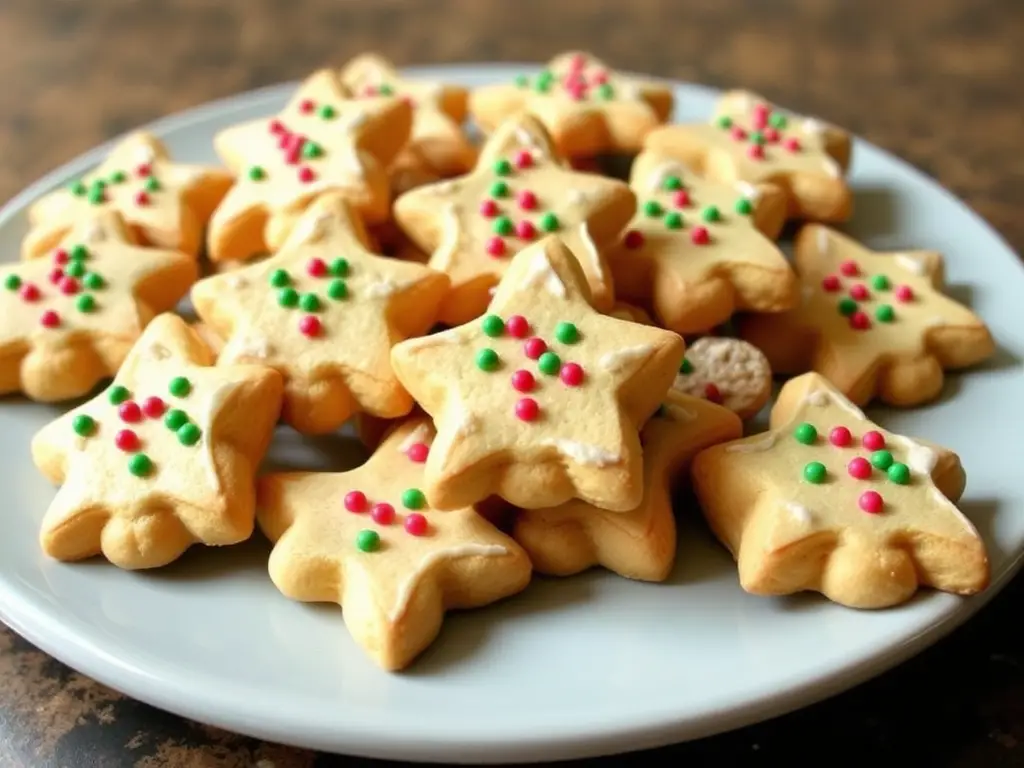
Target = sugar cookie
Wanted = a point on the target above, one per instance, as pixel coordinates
(368, 540)
(831, 502)
(161, 460)
(641, 543)
(699, 250)
(750, 140)
(69, 320)
(875, 324)
(323, 140)
(165, 204)
(588, 108)
(325, 312)
(726, 371)
(540, 400)
(520, 190)
(633, 314)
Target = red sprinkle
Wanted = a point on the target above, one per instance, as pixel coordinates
(873, 440)
(383, 513)
(126, 440)
(700, 236)
(141, 197)
(831, 283)
(69, 286)
(849, 268)
(904, 293)
(61, 257)
(738, 133)
(534, 347)
(276, 127)
(859, 468)
(153, 407)
(712, 393)
(527, 409)
(517, 326)
(496, 246)
(859, 291)
(129, 411)
(871, 502)
(306, 174)
(143, 170)
(415, 524)
(56, 275)
(527, 200)
(792, 144)
(316, 267)
(310, 325)
(681, 198)
(840, 437)
(523, 381)
(760, 117)
(369, 90)
(860, 321)
(755, 152)
(634, 239)
(571, 374)
(525, 230)
(29, 292)
(523, 158)
(488, 208)
(600, 77)
(418, 452)
(355, 501)
(771, 135)
(306, 106)
(49, 319)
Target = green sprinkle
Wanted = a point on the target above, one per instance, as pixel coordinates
(310, 150)
(12, 282)
(97, 195)
(805, 433)
(385, 90)
(672, 183)
(85, 303)
(777, 120)
(522, 81)
(674, 220)
(256, 173)
(567, 333)
(549, 222)
(367, 541)
(179, 386)
(339, 267)
(327, 112)
(653, 209)
(493, 326)
(899, 473)
(885, 313)
(279, 278)
(310, 302)
(711, 213)
(724, 122)
(78, 189)
(93, 281)
(756, 137)
(605, 91)
(78, 253)
(503, 226)
(543, 81)
(287, 297)
(175, 418)
(502, 167)
(152, 184)
(74, 269)
(189, 434)
(499, 189)
(140, 465)
(549, 363)
(413, 498)
(337, 289)
(744, 206)
(118, 394)
(83, 425)
(846, 306)
(686, 367)
(815, 472)
(487, 359)
(881, 460)
(118, 177)
(880, 283)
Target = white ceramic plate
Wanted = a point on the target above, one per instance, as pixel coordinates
(578, 667)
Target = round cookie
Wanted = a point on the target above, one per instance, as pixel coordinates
(726, 371)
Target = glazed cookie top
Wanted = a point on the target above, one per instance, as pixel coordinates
(542, 376)
(139, 181)
(96, 282)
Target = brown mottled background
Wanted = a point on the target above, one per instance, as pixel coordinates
(939, 82)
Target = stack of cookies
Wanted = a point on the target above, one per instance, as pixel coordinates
(537, 354)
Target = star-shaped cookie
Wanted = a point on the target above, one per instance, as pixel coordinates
(641, 543)
(166, 204)
(325, 312)
(588, 108)
(540, 400)
(875, 324)
(322, 140)
(162, 459)
(831, 502)
(436, 143)
(520, 190)
(67, 321)
(750, 140)
(368, 540)
(699, 250)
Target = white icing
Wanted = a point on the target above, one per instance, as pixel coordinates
(661, 172)
(813, 126)
(460, 550)
(910, 263)
(158, 351)
(380, 289)
(575, 196)
(451, 233)
(144, 155)
(620, 358)
(920, 459)
(824, 242)
(93, 232)
(237, 281)
(817, 397)
(584, 453)
(832, 168)
(540, 273)
(466, 423)
(525, 138)
(799, 512)
(821, 397)
(749, 191)
(934, 322)
(590, 249)
(254, 346)
(422, 434)
(207, 416)
(315, 228)
(753, 446)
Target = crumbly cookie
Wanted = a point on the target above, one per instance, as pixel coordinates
(161, 460)
(541, 399)
(726, 371)
(325, 312)
(368, 540)
(633, 314)
(165, 204)
(699, 250)
(520, 190)
(831, 502)
(69, 320)
(750, 140)
(437, 144)
(641, 543)
(588, 108)
(323, 140)
(874, 324)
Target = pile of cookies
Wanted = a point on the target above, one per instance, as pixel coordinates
(505, 325)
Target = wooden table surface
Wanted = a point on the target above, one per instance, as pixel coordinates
(938, 83)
